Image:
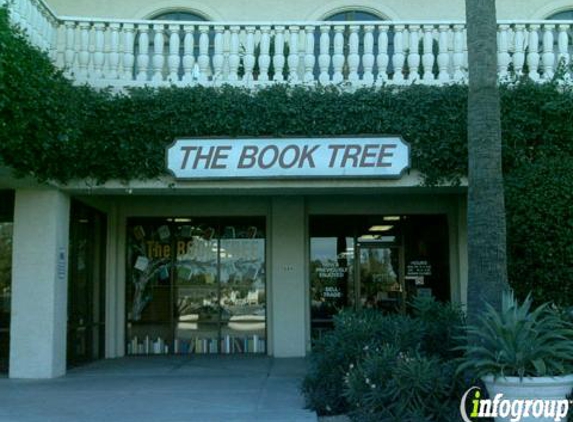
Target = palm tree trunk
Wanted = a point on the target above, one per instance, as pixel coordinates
(486, 210)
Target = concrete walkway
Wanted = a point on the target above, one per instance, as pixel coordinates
(163, 389)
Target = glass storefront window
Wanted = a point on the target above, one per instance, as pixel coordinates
(196, 285)
(378, 262)
(332, 268)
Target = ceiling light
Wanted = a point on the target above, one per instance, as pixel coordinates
(391, 218)
(380, 228)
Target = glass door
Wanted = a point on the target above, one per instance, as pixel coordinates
(196, 289)
(381, 282)
(243, 297)
(86, 286)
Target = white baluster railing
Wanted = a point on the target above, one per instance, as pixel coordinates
(131, 53)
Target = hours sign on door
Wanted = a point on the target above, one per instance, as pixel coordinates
(286, 158)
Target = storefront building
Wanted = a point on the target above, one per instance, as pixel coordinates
(246, 246)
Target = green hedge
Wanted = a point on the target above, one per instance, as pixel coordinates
(52, 130)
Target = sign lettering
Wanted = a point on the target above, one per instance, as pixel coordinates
(284, 158)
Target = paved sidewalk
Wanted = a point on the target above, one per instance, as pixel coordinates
(163, 389)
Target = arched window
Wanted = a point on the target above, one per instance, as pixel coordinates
(179, 15)
(564, 15)
(353, 15)
(358, 16)
(174, 16)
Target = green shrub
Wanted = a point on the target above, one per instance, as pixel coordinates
(393, 386)
(443, 326)
(41, 112)
(360, 339)
(353, 336)
(540, 229)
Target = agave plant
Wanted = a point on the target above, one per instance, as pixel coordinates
(519, 341)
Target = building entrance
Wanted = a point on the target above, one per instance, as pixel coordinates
(196, 285)
(381, 276)
(378, 262)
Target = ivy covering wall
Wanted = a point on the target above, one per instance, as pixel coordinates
(52, 130)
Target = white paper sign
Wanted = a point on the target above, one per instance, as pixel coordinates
(378, 157)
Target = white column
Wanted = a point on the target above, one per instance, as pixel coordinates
(264, 56)
(353, 56)
(414, 53)
(293, 57)
(174, 60)
(113, 56)
(443, 55)
(458, 53)
(39, 284)
(203, 60)
(309, 59)
(218, 57)
(428, 58)
(288, 301)
(279, 58)
(519, 50)
(368, 57)
(338, 56)
(249, 58)
(188, 57)
(503, 58)
(382, 59)
(398, 57)
(533, 52)
(158, 55)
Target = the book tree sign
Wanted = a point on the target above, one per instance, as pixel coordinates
(385, 157)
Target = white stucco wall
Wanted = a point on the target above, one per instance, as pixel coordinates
(289, 274)
(39, 284)
(260, 10)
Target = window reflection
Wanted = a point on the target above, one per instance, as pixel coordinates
(214, 278)
(378, 262)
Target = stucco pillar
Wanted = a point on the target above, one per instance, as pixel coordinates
(39, 284)
(288, 277)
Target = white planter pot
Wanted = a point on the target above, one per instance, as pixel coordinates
(534, 389)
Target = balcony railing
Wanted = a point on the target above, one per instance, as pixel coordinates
(128, 53)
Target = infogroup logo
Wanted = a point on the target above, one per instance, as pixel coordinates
(514, 410)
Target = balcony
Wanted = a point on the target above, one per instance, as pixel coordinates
(135, 53)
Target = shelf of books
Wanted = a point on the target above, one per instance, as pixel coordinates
(197, 345)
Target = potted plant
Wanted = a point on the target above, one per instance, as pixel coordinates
(523, 354)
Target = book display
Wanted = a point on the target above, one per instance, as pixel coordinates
(196, 286)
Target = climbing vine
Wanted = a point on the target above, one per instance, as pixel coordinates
(52, 130)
